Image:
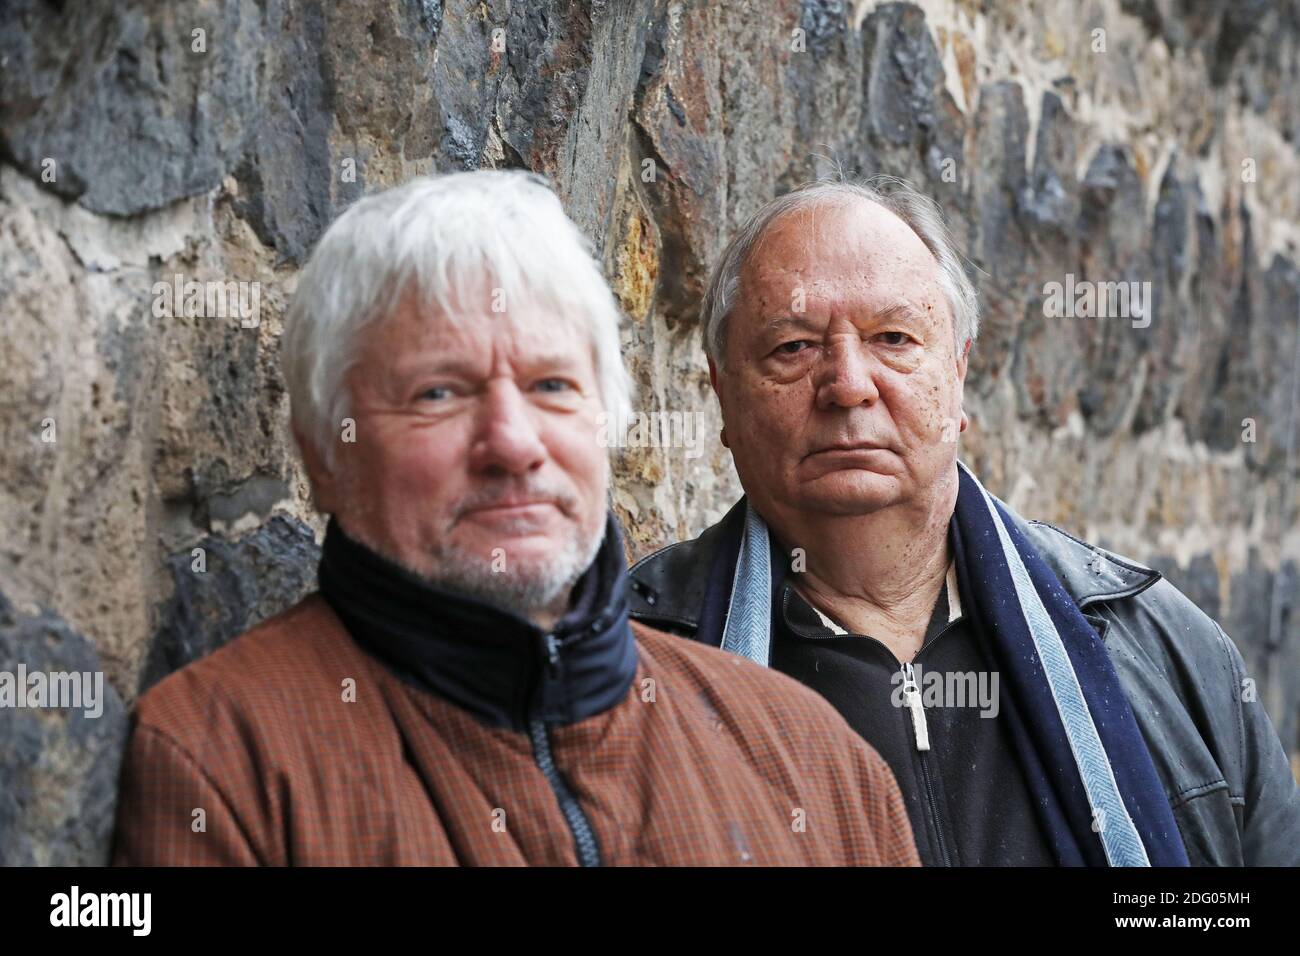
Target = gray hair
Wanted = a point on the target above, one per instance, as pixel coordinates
(920, 212)
(436, 237)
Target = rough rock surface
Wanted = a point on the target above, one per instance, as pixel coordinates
(59, 765)
(1151, 140)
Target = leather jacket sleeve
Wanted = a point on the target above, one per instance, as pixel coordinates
(1270, 824)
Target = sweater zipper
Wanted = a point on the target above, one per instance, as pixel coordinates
(584, 838)
(920, 729)
(912, 700)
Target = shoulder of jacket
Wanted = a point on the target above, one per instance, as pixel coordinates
(294, 652)
(774, 700)
(667, 588)
(1164, 614)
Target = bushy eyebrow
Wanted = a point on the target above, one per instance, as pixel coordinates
(902, 310)
(899, 310)
(781, 322)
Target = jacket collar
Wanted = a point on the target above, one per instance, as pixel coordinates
(1089, 574)
(504, 670)
(668, 587)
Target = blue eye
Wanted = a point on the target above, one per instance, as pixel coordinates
(436, 393)
(561, 385)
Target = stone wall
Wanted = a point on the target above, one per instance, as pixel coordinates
(1145, 140)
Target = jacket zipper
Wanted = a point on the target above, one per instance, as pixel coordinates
(920, 732)
(912, 699)
(584, 838)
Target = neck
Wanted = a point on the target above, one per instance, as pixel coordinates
(546, 618)
(878, 574)
(504, 669)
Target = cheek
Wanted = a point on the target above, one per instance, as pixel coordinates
(920, 406)
(423, 463)
(765, 424)
(762, 407)
(573, 445)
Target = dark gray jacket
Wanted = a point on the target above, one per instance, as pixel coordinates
(1221, 762)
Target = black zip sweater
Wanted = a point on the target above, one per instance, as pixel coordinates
(966, 796)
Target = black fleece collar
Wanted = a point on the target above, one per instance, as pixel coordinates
(504, 670)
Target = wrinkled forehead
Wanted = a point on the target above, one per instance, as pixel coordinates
(853, 254)
(480, 313)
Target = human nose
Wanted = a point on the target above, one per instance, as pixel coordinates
(846, 375)
(506, 435)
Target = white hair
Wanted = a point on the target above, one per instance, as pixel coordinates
(920, 212)
(440, 238)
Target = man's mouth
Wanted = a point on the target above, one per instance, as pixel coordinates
(847, 449)
(508, 507)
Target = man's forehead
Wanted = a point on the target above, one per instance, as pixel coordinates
(883, 310)
(860, 251)
(432, 340)
(886, 294)
(858, 232)
(529, 324)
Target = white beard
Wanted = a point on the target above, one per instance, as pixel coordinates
(524, 590)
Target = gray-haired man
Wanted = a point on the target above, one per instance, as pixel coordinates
(466, 687)
(1092, 713)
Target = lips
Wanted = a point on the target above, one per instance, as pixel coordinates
(514, 504)
(846, 447)
(509, 505)
(851, 457)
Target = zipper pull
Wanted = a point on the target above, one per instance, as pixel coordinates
(553, 654)
(912, 700)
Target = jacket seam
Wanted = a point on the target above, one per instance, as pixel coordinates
(1222, 639)
(1188, 794)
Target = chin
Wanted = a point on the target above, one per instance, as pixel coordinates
(529, 547)
(851, 492)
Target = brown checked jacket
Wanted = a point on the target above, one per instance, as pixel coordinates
(292, 745)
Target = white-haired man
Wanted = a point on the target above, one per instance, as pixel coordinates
(466, 687)
(1041, 701)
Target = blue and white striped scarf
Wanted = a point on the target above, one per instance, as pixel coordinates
(1084, 757)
